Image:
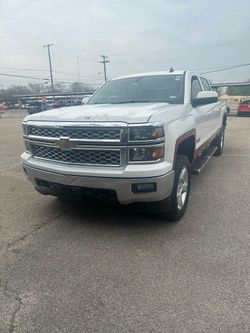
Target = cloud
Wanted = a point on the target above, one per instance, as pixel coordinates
(139, 35)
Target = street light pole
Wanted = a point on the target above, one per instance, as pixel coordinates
(104, 61)
(51, 73)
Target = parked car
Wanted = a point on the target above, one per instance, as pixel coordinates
(244, 108)
(77, 101)
(36, 107)
(60, 103)
(137, 140)
(3, 107)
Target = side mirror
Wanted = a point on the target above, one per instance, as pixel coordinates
(205, 97)
(85, 99)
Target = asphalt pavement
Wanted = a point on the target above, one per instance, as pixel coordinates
(98, 268)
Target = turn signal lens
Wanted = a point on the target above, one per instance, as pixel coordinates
(157, 153)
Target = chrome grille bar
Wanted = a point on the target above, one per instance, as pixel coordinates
(78, 156)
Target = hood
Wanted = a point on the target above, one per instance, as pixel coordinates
(129, 113)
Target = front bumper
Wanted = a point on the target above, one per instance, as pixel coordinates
(121, 186)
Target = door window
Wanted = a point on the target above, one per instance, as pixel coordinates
(195, 87)
(205, 84)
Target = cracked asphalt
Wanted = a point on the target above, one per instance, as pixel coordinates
(98, 268)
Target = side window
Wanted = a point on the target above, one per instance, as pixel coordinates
(205, 84)
(195, 87)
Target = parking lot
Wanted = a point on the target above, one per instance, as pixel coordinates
(96, 268)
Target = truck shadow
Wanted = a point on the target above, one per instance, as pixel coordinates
(111, 215)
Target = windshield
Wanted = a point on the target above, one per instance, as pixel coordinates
(142, 89)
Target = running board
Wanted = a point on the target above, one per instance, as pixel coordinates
(199, 165)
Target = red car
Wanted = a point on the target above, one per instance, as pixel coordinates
(3, 107)
(244, 108)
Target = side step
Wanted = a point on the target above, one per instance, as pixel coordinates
(199, 165)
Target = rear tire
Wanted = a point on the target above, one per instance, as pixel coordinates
(181, 189)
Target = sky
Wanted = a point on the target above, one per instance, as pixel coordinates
(136, 35)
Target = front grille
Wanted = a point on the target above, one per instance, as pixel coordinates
(88, 157)
(82, 133)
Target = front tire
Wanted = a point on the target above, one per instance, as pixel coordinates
(181, 189)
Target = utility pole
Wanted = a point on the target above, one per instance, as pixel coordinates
(50, 68)
(104, 61)
(1, 85)
(78, 69)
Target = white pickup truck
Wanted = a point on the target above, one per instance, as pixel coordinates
(136, 140)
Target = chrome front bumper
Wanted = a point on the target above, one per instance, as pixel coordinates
(122, 186)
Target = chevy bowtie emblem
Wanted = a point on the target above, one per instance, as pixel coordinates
(64, 143)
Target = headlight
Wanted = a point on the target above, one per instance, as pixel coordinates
(146, 133)
(146, 154)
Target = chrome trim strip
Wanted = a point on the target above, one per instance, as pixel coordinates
(83, 164)
(78, 146)
(50, 138)
(75, 124)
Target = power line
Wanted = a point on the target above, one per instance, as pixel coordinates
(86, 83)
(24, 76)
(177, 50)
(81, 59)
(45, 79)
(46, 70)
(85, 76)
(25, 69)
(226, 68)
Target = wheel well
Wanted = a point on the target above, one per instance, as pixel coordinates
(187, 147)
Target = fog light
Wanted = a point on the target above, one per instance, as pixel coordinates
(144, 187)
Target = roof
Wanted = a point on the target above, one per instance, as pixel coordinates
(150, 74)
